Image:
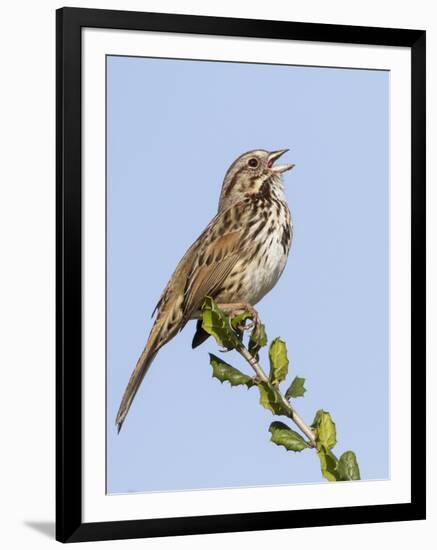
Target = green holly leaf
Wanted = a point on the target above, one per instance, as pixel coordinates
(296, 388)
(258, 339)
(278, 361)
(271, 400)
(347, 467)
(328, 463)
(324, 427)
(283, 435)
(325, 432)
(226, 373)
(217, 324)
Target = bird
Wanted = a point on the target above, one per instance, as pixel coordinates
(236, 260)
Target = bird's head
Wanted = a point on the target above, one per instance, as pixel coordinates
(253, 173)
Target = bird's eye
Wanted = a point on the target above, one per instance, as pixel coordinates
(253, 162)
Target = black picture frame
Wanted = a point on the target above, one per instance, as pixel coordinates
(69, 525)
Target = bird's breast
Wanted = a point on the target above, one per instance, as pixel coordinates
(267, 269)
(264, 259)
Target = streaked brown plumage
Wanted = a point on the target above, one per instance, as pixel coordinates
(237, 259)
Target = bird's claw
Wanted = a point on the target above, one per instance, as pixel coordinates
(243, 327)
(255, 319)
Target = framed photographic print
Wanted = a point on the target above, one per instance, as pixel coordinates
(260, 187)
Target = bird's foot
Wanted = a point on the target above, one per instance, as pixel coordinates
(238, 309)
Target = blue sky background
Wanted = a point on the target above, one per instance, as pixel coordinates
(173, 128)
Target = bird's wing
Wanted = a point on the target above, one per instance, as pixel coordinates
(214, 262)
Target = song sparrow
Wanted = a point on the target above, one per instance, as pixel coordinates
(237, 259)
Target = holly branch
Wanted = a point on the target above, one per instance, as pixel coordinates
(229, 333)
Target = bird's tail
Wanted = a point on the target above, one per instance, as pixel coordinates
(154, 343)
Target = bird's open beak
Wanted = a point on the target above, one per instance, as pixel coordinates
(280, 167)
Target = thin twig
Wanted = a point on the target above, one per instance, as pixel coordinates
(293, 415)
